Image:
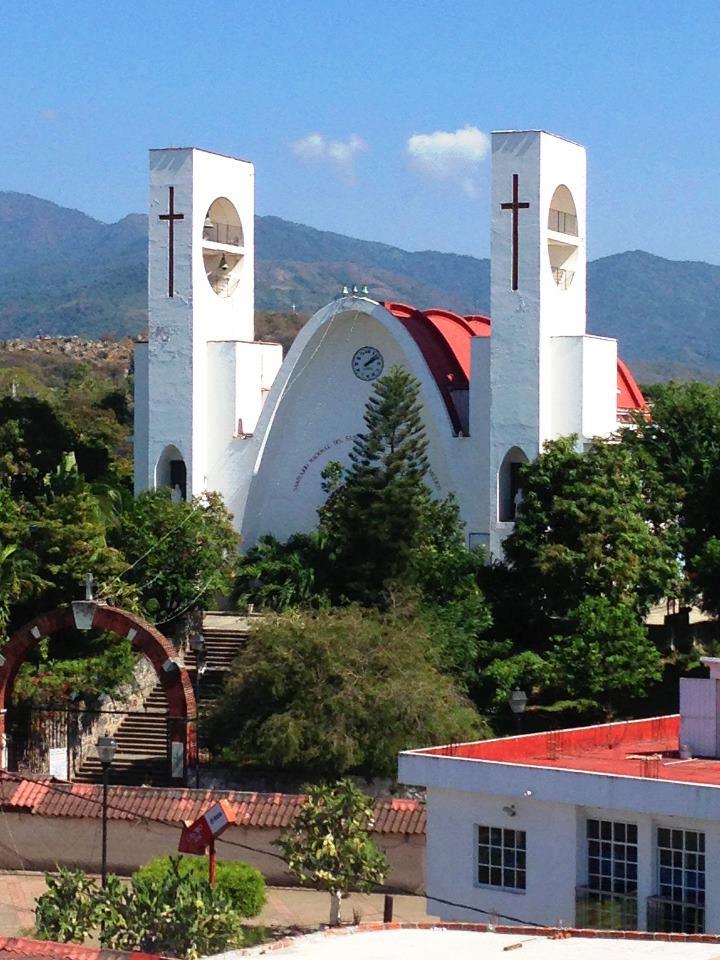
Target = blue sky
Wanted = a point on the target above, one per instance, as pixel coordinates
(337, 102)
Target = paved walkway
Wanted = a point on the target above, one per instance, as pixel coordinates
(286, 906)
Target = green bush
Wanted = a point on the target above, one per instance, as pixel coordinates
(67, 911)
(243, 885)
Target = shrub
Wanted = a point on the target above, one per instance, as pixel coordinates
(243, 885)
(67, 911)
(179, 916)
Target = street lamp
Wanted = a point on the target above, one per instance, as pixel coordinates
(197, 645)
(106, 747)
(518, 702)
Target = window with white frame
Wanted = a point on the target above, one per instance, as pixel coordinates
(679, 906)
(612, 856)
(501, 857)
(609, 900)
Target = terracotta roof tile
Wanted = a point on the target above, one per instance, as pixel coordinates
(22, 948)
(48, 798)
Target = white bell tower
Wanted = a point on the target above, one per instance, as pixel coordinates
(199, 379)
(547, 377)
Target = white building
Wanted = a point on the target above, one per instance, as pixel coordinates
(216, 410)
(616, 825)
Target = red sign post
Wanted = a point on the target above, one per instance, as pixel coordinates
(198, 836)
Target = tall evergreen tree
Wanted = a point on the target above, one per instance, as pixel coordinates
(374, 511)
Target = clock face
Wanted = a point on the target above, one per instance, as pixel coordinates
(368, 363)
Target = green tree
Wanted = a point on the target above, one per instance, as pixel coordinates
(179, 555)
(678, 450)
(373, 513)
(280, 575)
(605, 654)
(584, 529)
(34, 438)
(332, 691)
(329, 843)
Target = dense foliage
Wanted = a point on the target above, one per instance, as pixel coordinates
(329, 843)
(243, 885)
(171, 911)
(330, 691)
(66, 511)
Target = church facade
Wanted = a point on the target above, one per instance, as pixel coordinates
(217, 410)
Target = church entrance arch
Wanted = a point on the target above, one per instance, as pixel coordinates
(509, 484)
(145, 639)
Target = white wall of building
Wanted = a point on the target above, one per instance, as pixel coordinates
(551, 805)
(316, 407)
(556, 856)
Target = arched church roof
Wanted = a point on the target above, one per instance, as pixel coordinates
(444, 339)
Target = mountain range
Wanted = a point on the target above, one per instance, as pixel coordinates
(62, 272)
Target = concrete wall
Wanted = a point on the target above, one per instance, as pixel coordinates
(31, 842)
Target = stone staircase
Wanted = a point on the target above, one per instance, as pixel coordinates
(141, 756)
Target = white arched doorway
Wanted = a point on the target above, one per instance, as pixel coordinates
(509, 484)
(171, 471)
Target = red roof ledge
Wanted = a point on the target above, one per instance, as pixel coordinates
(630, 748)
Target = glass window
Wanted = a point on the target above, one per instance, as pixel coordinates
(609, 901)
(501, 857)
(679, 906)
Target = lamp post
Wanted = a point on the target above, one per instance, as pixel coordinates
(106, 747)
(197, 645)
(518, 702)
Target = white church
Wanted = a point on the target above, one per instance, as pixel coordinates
(217, 410)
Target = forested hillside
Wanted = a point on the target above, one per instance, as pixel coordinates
(61, 272)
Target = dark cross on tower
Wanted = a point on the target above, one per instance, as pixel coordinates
(171, 217)
(515, 206)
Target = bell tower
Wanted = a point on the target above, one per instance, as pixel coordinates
(200, 290)
(547, 378)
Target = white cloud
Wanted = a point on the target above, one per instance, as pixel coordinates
(450, 156)
(340, 154)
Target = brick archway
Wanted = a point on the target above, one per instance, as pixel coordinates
(145, 639)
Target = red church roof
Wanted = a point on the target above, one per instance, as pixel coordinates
(444, 341)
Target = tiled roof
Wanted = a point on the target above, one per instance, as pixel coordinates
(21, 948)
(48, 798)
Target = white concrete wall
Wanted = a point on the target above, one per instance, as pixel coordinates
(452, 857)
(700, 715)
(584, 386)
(556, 856)
(567, 385)
(599, 387)
(552, 804)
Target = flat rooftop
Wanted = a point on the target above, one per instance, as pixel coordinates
(440, 943)
(635, 748)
